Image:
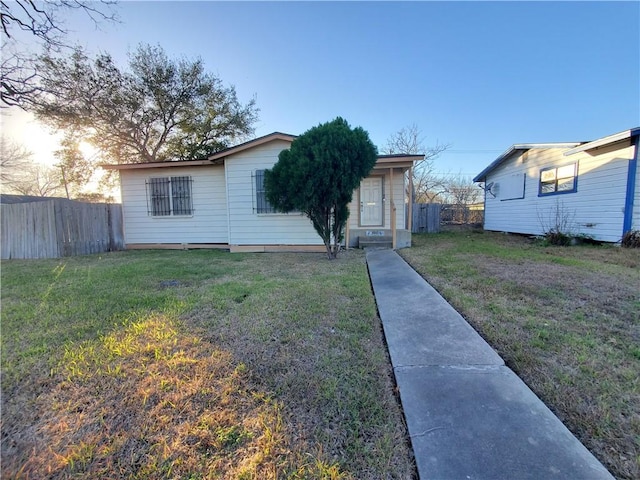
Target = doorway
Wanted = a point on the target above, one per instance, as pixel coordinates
(371, 204)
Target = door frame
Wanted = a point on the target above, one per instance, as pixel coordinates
(382, 201)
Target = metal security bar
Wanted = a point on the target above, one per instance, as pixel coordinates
(169, 196)
(181, 195)
(159, 199)
(262, 204)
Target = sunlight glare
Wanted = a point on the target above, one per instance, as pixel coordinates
(87, 150)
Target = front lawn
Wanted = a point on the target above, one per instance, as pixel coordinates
(196, 364)
(565, 319)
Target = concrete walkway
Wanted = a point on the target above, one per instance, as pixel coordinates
(469, 416)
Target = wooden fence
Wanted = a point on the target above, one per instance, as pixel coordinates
(60, 228)
(462, 214)
(425, 218)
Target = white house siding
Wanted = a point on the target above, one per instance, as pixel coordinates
(398, 197)
(208, 224)
(596, 209)
(246, 227)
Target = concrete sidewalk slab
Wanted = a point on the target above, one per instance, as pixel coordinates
(484, 422)
(468, 415)
(420, 327)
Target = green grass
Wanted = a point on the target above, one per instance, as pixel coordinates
(566, 319)
(196, 364)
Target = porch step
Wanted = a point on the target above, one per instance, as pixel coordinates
(382, 241)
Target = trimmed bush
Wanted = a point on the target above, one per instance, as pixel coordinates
(556, 237)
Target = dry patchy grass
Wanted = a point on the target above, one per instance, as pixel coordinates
(566, 319)
(196, 365)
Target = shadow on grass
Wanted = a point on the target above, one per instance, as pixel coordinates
(152, 400)
(293, 340)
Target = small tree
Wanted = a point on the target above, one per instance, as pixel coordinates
(558, 225)
(318, 174)
(76, 170)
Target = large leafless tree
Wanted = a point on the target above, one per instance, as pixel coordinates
(428, 187)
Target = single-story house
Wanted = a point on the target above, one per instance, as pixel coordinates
(220, 202)
(584, 188)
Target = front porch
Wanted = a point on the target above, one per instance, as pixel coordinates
(378, 238)
(378, 217)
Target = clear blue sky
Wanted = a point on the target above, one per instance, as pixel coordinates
(478, 75)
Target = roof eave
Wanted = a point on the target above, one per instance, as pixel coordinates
(523, 147)
(481, 176)
(252, 143)
(215, 159)
(138, 166)
(396, 161)
(604, 141)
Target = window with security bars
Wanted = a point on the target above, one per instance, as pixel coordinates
(169, 196)
(262, 204)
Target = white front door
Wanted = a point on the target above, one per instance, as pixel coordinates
(371, 202)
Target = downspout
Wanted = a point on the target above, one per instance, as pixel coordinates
(631, 186)
(226, 191)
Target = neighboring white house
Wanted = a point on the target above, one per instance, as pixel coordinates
(589, 188)
(220, 202)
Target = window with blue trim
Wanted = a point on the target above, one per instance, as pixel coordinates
(558, 180)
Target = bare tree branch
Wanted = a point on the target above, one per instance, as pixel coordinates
(13, 159)
(428, 187)
(40, 20)
(20, 174)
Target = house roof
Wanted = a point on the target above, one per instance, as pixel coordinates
(253, 143)
(137, 166)
(604, 141)
(396, 161)
(384, 161)
(212, 159)
(573, 147)
(519, 147)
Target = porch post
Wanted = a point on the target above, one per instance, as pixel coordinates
(392, 207)
(410, 212)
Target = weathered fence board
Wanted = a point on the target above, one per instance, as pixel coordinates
(461, 214)
(425, 218)
(60, 228)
